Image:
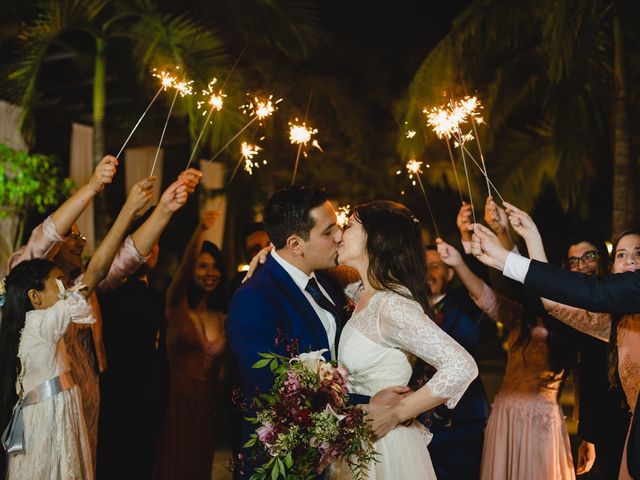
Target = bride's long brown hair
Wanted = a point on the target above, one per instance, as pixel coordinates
(395, 251)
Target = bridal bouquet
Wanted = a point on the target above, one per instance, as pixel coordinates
(306, 422)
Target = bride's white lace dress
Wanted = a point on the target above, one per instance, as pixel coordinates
(378, 346)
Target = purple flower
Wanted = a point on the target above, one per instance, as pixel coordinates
(266, 433)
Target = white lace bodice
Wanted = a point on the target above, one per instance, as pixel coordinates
(379, 343)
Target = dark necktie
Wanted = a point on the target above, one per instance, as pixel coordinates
(323, 302)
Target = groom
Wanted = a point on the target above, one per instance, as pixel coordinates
(286, 295)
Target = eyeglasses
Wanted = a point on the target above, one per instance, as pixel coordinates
(586, 258)
(77, 236)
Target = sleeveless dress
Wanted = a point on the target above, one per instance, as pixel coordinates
(186, 446)
(378, 346)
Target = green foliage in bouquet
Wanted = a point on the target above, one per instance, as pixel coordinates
(306, 422)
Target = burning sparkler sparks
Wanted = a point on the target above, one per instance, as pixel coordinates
(342, 216)
(415, 168)
(214, 99)
(247, 152)
(261, 108)
(166, 79)
(299, 133)
(411, 134)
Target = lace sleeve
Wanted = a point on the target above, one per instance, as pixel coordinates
(595, 324)
(404, 325)
(498, 307)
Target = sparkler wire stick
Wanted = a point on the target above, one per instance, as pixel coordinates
(173, 102)
(424, 193)
(466, 174)
(455, 170)
(213, 107)
(306, 114)
(484, 166)
(135, 127)
(232, 139)
(485, 175)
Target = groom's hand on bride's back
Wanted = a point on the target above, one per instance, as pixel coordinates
(390, 395)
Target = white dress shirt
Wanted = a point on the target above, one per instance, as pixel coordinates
(516, 267)
(301, 279)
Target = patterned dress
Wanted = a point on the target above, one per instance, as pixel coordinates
(526, 436)
(378, 346)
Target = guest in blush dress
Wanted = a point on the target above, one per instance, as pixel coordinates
(196, 344)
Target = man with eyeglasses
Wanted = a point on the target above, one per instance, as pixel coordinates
(613, 293)
(603, 423)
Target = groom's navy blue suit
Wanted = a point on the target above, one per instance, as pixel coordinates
(271, 301)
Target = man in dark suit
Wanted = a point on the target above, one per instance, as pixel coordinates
(615, 293)
(286, 295)
(458, 434)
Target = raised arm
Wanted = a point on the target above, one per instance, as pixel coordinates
(67, 214)
(103, 257)
(47, 238)
(616, 293)
(137, 247)
(177, 291)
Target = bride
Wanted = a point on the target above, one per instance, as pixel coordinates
(388, 330)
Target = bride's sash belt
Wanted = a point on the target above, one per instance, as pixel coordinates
(13, 435)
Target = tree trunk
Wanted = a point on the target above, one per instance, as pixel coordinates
(102, 217)
(624, 194)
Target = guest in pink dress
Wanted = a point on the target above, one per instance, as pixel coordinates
(526, 435)
(196, 344)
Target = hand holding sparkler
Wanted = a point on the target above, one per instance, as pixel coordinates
(190, 178)
(497, 220)
(104, 173)
(463, 220)
(208, 219)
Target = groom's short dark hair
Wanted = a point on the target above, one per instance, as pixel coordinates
(288, 213)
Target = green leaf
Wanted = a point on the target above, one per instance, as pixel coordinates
(288, 460)
(275, 472)
(261, 363)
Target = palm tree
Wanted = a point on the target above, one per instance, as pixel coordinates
(546, 73)
(153, 39)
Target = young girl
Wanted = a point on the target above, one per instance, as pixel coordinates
(36, 315)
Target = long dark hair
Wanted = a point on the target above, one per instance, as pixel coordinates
(218, 299)
(394, 248)
(615, 318)
(561, 345)
(27, 275)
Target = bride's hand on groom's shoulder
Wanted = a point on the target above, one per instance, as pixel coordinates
(256, 261)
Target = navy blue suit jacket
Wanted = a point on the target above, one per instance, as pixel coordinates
(268, 302)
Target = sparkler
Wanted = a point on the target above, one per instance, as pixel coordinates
(411, 133)
(247, 152)
(182, 87)
(215, 100)
(166, 81)
(300, 134)
(259, 109)
(342, 216)
(414, 168)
